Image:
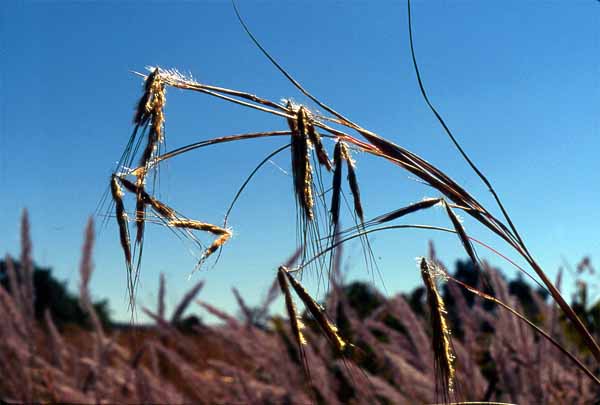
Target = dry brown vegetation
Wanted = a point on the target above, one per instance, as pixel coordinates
(318, 210)
(397, 352)
(254, 358)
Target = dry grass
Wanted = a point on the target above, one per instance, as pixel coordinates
(318, 221)
(241, 361)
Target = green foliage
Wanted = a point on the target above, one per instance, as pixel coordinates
(53, 295)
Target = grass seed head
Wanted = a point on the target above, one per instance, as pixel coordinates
(336, 189)
(353, 183)
(295, 323)
(161, 209)
(442, 347)
(315, 138)
(220, 241)
(121, 215)
(141, 115)
(152, 111)
(301, 167)
(460, 231)
(318, 313)
(199, 226)
(140, 212)
(409, 209)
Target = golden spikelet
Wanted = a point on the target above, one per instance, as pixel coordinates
(220, 241)
(152, 111)
(117, 195)
(157, 108)
(170, 215)
(317, 312)
(142, 111)
(197, 225)
(295, 322)
(162, 209)
(301, 167)
(315, 138)
(442, 347)
(224, 234)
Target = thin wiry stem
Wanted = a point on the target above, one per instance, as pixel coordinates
(376, 145)
(245, 183)
(362, 232)
(213, 141)
(181, 83)
(452, 137)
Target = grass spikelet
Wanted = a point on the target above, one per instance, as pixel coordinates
(409, 209)
(150, 110)
(353, 183)
(154, 113)
(140, 214)
(141, 116)
(460, 231)
(442, 348)
(220, 241)
(301, 167)
(295, 322)
(197, 225)
(315, 139)
(317, 312)
(174, 221)
(162, 209)
(121, 215)
(336, 188)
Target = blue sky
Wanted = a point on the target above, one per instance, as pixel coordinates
(518, 82)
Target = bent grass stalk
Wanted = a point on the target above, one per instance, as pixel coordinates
(306, 144)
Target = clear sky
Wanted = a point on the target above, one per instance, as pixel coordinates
(517, 81)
